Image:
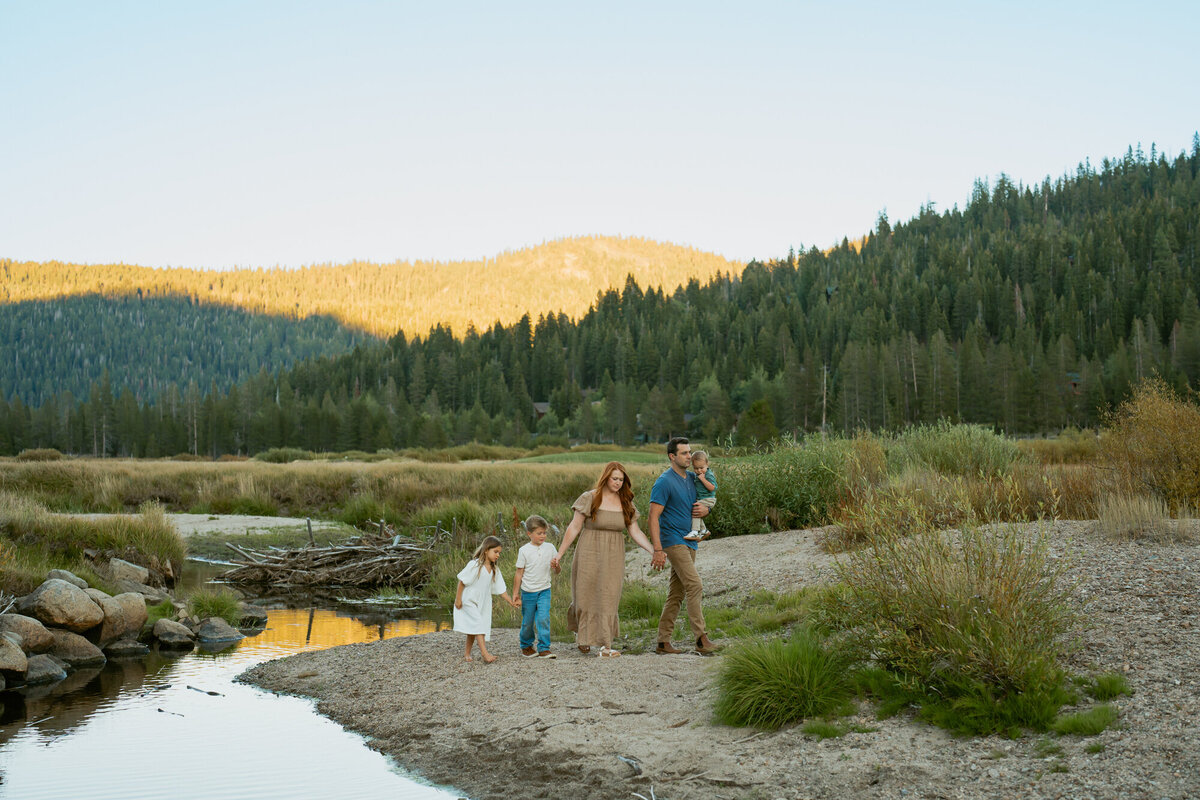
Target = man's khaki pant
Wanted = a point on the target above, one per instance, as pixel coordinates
(685, 583)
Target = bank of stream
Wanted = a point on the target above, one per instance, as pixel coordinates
(181, 725)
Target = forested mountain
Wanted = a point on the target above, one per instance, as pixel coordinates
(1030, 309)
(145, 344)
(560, 276)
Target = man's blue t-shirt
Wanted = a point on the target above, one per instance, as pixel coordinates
(676, 495)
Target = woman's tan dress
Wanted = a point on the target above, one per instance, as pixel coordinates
(597, 574)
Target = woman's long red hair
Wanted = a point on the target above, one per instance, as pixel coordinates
(625, 494)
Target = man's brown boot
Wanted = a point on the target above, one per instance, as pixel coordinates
(667, 649)
(705, 646)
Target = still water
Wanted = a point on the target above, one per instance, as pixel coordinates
(181, 728)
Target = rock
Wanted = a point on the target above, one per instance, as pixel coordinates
(153, 596)
(36, 637)
(123, 615)
(62, 605)
(15, 638)
(170, 634)
(253, 616)
(75, 650)
(215, 629)
(44, 669)
(12, 659)
(69, 577)
(120, 570)
(126, 648)
(97, 595)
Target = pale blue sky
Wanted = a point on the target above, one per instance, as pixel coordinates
(216, 134)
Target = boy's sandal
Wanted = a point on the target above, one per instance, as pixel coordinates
(608, 652)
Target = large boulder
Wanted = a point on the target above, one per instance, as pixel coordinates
(62, 605)
(124, 615)
(120, 570)
(44, 669)
(253, 616)
(69, 577)
(97, 594)
(12, 659)
(171, 635)
(75, 650)
(36, 639)
(153, 596)
(215, 629)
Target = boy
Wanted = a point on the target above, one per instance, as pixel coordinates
(531, 587)
(706, 494)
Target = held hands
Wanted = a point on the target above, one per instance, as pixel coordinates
(555, 561)
(658, 559)
(511, 602)
(516, 601)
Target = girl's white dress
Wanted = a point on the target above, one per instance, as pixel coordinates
(475, 616)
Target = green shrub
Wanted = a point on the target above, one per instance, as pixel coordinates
(164, 610)
(774, 683)
(953, 450)
(40, 454)
(284, 455)
(1086, 723)
(970, 626)
(215, 601)
(798, 484)
(363, 508)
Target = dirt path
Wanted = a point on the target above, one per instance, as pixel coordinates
(556, 729)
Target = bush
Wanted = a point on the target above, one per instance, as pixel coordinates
(971, 626)
(284, 455)
(796, 485)
(1152, 445)
(1072, 446)
(966, 450)
(215, 601)
(40, 454)
(775, 683)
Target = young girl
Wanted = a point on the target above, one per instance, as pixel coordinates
(478, 581)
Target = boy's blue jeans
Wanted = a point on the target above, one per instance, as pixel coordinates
(535, 612)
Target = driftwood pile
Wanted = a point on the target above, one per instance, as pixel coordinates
(364, 562)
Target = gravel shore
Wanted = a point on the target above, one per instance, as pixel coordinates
(579, 726)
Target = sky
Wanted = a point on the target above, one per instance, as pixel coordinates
(256, 134)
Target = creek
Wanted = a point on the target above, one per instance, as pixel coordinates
(180, 726)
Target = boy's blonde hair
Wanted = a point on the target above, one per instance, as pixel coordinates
(535, 522)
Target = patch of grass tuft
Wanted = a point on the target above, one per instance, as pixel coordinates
(1095, 747)
(215, 601)
(1108, 686)
(1086, 723)
(823, 730)
(774, 683)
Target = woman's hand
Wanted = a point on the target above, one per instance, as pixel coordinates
(658, 559)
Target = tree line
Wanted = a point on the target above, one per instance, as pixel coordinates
(1031, 309)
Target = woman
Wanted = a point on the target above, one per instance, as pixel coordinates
(602, 515)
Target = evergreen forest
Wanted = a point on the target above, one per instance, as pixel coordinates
(1031, 309)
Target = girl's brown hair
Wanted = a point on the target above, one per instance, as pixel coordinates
(481, 553)
(625, 493)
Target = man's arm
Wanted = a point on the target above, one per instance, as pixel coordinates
(659, 557)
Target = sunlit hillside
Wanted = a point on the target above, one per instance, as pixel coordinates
(559, 276)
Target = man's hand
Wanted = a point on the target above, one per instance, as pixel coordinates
(700, 510)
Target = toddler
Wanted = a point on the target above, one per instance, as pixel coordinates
(706, 494)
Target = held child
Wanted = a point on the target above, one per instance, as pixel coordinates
(706, 493)
(478, 581)
(531, 588)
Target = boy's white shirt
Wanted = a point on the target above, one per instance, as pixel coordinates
(535, 560)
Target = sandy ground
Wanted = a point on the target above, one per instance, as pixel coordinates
(234, 524)
(581, 727)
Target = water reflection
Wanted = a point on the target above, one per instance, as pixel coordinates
(134, 728)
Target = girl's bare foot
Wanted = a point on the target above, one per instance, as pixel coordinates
(488, 659)
(467, 658)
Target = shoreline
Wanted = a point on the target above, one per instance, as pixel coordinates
(555, 728)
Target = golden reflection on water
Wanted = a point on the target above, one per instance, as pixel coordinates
(290, 628)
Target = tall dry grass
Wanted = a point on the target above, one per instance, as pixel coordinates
(1126, 517)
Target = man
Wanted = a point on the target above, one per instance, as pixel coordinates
(672, 506)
